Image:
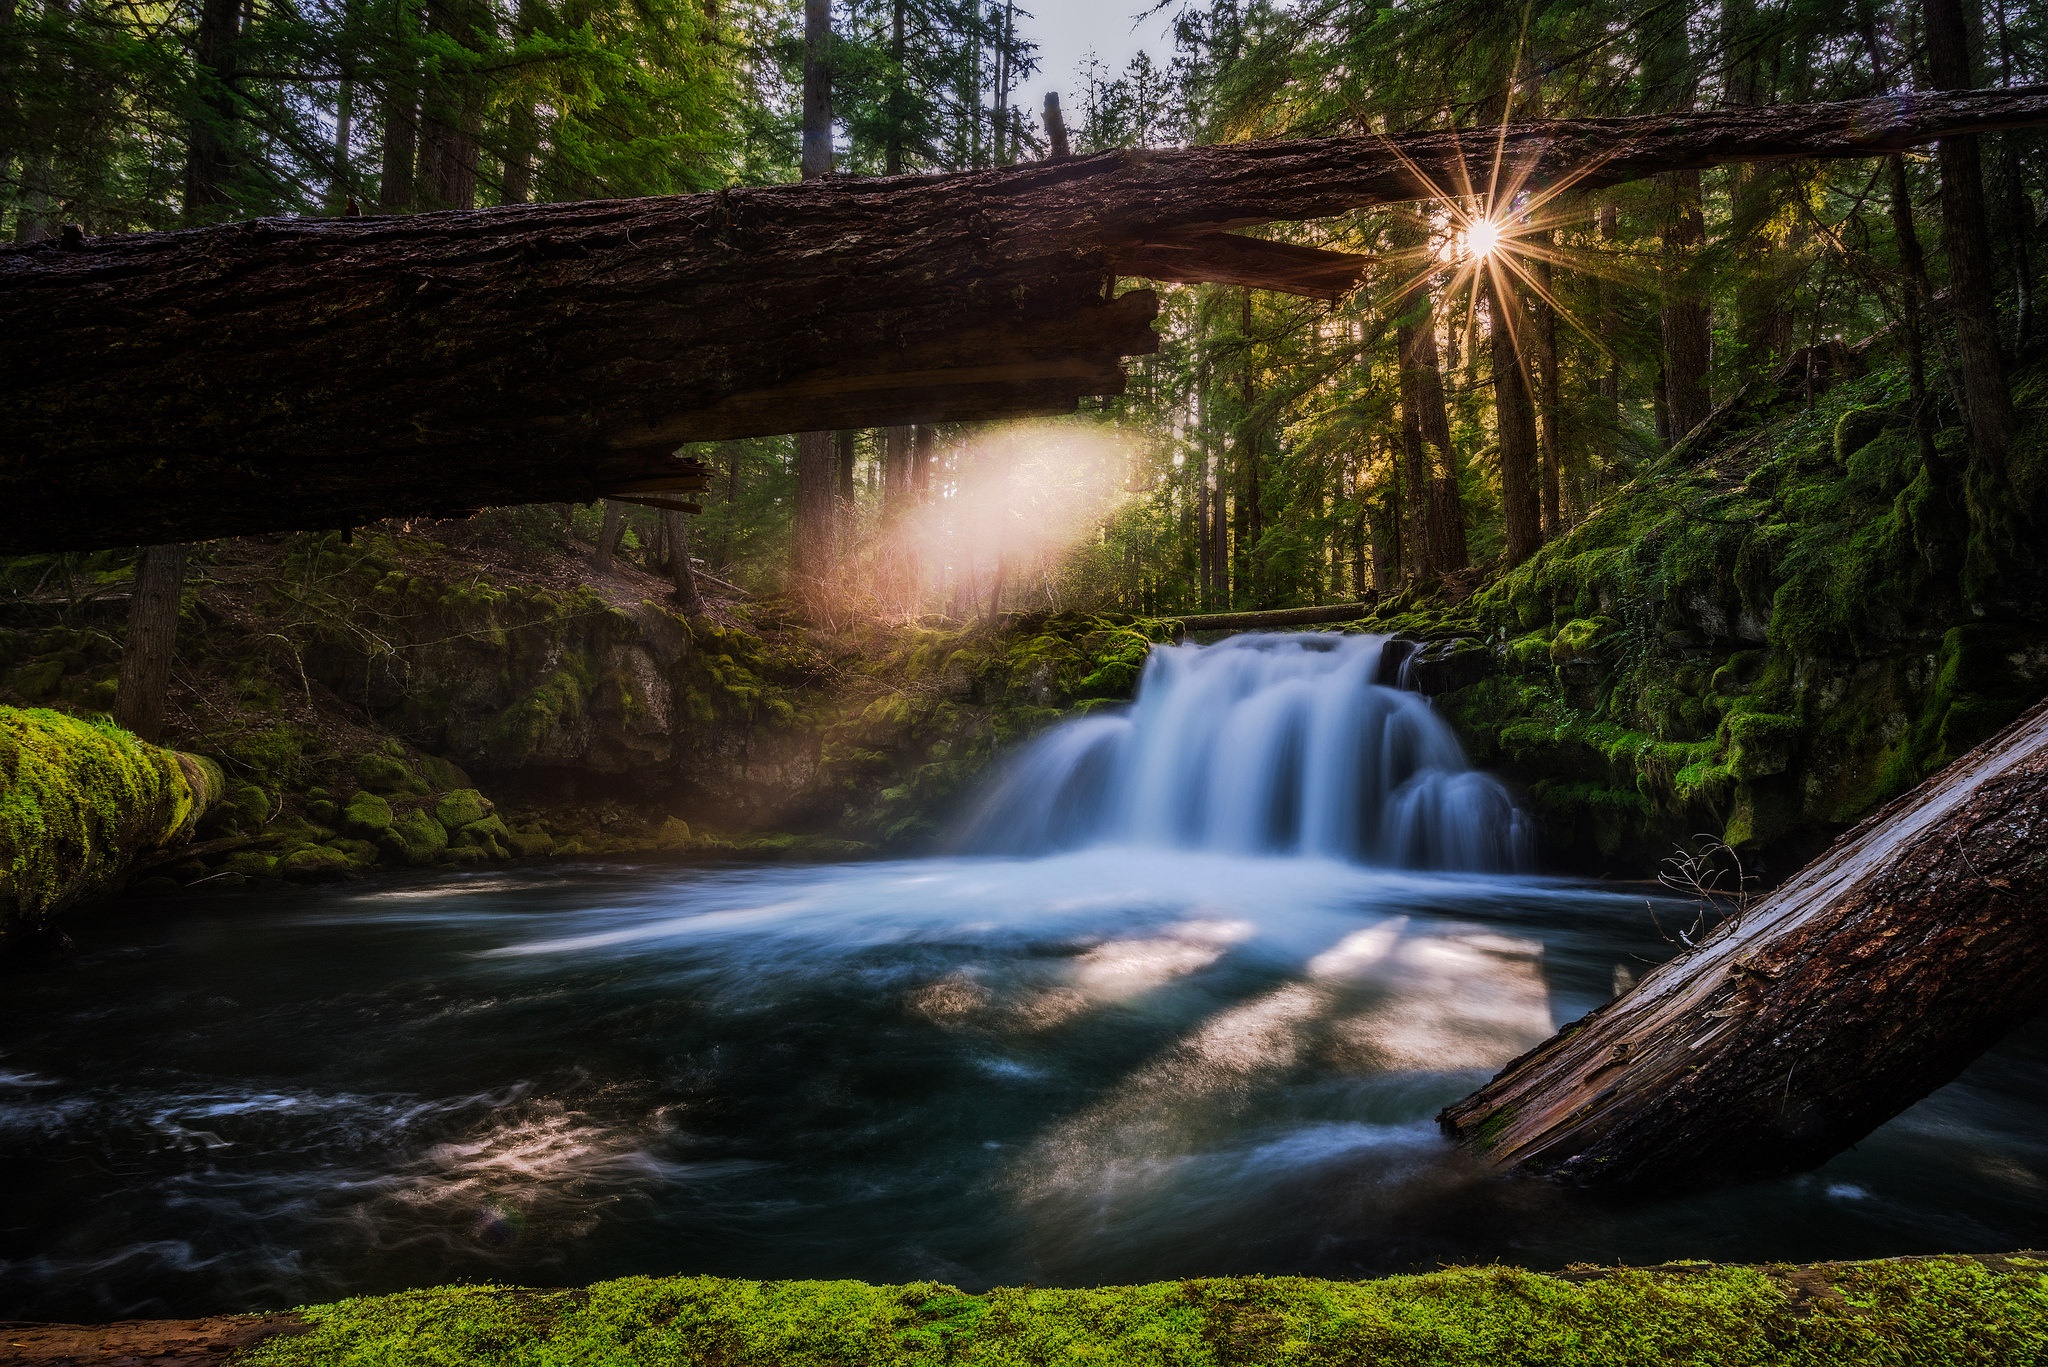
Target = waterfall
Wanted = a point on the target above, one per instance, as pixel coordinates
(1261, 744)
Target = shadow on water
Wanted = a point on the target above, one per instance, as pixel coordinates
(1183, 1036)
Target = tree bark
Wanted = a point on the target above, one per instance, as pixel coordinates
(1871, 978)
(609, 531)
(225, 381)
(1965, 234)
(209, 151)
(1514, 420)
(677, 527)
(1550, 383)
(1687, 325)
(142, 691)
(816, 158)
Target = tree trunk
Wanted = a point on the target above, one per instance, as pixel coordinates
(814, 547)
(174, 386)
(1383, 526)
(897, 472)
(399, 152)
(1871, 978)
(143, 688)
(1515, 421)
(817, 129)
(1551, 389)
(209, 151)
(609, 531)
(1687, 325)
(1415, 486)
(676, 525)
(1965, 234)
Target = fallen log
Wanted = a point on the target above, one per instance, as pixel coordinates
(1277, 617)
(305, 373)
(1871, 978)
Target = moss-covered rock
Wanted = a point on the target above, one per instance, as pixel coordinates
(78, 802)
(461, 807)
(414, 838)
(366, 816)
(386, 773)
(444, 775)
(530, 842)
(316, 864)
(489, 834)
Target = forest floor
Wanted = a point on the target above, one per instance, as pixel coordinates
(1929, 1311)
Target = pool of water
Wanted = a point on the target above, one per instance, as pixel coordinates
(1104, 1066)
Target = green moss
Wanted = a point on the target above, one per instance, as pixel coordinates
(78, 801)
(367, 815)
(461, 807)
(316, 864)
(414, 838)
(386, 773)
(1931, 1312)
(489, 834)
(1582, 639)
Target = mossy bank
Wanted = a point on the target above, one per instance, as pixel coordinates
(398, 700)
(1931, 1312)
(1759, 639)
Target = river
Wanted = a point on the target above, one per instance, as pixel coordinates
(1205, 1046)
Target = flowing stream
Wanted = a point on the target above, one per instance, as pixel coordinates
(1193, 1017)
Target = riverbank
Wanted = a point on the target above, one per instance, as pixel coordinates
(1930, 1311)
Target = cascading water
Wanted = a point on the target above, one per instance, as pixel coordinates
(1263, 744)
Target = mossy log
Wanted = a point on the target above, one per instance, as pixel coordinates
(1869, 979)
(79, 803)
(307, 373)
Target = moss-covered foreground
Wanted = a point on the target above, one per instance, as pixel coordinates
(1921, 1311)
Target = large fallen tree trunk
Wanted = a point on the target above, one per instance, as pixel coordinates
(1871, 978)
(325, 372)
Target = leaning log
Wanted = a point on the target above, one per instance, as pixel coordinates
(293, 373)
(1871, 978)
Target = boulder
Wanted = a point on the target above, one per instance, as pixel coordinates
(386, 774)
(415, 838)
(489, 835)
(366, 816)
(462, 807)
(316, 864)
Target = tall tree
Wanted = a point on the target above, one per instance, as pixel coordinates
(812, 547)
(1966, 236)
(142, 691)
(1514, 418)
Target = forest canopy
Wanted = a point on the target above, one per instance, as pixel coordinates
(1514, 355)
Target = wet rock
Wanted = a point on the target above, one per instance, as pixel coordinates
(316, 864)
(1446, 666)
(489, 834)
